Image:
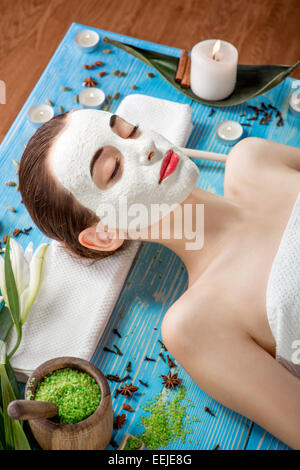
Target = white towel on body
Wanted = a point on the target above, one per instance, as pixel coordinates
(77, 295)
(283, 295)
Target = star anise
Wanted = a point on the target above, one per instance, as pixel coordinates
(89, 82)
(119, 421)
(171, 380)
(128, 389)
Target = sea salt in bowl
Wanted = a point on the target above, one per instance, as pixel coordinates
(93, 433)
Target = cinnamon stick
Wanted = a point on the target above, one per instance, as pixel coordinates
(185, 82)
(181, 66)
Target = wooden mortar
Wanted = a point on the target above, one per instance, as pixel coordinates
(93, 433)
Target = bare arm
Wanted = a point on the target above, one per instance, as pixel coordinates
(229, 365)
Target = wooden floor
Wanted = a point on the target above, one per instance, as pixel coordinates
(264, 31)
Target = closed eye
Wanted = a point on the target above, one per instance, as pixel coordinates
(133, 131)
(114, 173)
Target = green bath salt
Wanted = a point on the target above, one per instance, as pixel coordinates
(132, 443)
(75, 393)
(167, 420)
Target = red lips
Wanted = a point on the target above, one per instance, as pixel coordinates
(168, 165)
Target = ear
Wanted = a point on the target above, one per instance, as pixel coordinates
(101, 240)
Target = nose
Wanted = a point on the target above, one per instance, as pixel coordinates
(148, 153)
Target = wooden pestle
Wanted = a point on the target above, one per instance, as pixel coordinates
(31, 409)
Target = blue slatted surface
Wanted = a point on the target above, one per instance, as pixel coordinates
(156, 278)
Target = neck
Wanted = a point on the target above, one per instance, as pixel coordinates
(218, 219)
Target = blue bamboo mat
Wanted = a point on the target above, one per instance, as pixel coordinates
(156, 278)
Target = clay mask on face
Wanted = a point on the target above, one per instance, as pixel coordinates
(89, 130)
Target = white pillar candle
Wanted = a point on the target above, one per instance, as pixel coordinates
(213, 69)
(87, 40)
(229, 132)
(91, 97)
(40, 113)
(294, 102)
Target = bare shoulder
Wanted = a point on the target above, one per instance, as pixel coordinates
(198, 301)
(253, 163)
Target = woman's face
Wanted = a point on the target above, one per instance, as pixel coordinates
(113, 167)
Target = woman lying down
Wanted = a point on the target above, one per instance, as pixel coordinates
(236, 329)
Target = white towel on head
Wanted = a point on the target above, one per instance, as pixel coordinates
(77, 295)
(170, 119)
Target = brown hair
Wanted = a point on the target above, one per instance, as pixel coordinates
(53, 209)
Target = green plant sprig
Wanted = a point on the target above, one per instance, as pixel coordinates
(12, 295)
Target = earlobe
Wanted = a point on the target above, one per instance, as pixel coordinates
(91, 238)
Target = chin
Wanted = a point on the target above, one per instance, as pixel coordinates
(182, 182)
(188, 179)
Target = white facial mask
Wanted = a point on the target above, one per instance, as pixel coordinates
(88, 130)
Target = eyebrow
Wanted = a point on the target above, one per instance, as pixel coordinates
(94, 159)
(112, 120)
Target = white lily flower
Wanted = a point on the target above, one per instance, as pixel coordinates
(2, 281)
(29, 252)
(28, 269)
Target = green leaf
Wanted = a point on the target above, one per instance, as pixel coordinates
(12, 294)
(15, 437)
(5, 322)
(252, 80)
(2, 442)
(13, 380)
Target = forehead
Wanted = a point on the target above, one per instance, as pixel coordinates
(85, 131)
(86, 120)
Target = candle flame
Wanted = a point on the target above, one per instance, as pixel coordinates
(216, 49)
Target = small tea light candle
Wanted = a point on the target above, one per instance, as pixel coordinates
(91, 97)
(229, 132)
(213, 69)
(40, 113)
(87, 40)
(294, 102)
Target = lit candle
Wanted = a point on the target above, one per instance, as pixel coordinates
(294, 103)
(87, 40)
(40, 113)
(91, 97)
(213, 69)
(229, 132)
